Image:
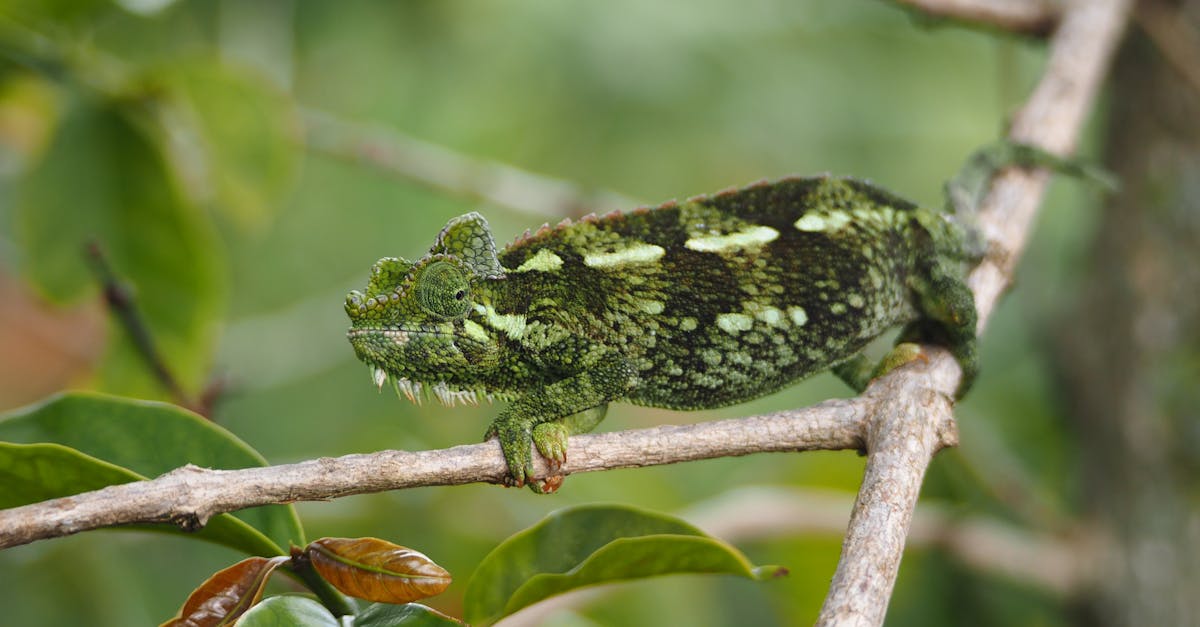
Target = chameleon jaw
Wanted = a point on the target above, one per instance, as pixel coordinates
(415, 391)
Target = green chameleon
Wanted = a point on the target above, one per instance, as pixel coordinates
(689, 305)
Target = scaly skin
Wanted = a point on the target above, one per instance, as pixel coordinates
(692, 305)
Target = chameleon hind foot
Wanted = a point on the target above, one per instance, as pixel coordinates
(859, 371)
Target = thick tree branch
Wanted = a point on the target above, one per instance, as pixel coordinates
(189, 496)
(916, 423)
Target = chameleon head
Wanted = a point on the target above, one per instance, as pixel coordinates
(411, 323)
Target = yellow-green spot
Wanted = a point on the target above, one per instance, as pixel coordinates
(770, 315)
(876, 278)
(856, 301)
(543, 260)
(475, 331)
(734, 323)
(838, 219)
(798, 315)
(753, 236)
(513, 325)
(638, 253)
(652, 307)
(687, 324)
(810, 222)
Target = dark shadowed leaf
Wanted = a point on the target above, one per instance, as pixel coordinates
(288, 611)
(407, 615)
(148, 439)
(30, 473)
(377, 570)
(593, 544)
(103, 178)
(227, 595)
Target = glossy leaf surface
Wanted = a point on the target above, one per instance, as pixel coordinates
(407, 615)
(288, 611)
(227, 594)
(594, 544)
(377, 570)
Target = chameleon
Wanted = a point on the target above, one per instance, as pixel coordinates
(697, 304)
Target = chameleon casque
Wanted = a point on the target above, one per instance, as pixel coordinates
(697, 304)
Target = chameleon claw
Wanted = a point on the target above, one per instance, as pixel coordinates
(549, 485)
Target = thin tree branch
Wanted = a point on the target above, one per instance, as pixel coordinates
(912, 427)
(1031, 17)
(190, 496)
(446, 170)
(123, 306)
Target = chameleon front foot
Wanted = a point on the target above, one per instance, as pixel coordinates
(517, 441)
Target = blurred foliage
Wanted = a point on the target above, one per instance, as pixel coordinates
(168, 131)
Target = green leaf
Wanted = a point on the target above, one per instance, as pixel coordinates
(593, 544)
(102, 177)
(246, 132)
(288, 611)
(407, 615)
(148, 438)
(31, 473)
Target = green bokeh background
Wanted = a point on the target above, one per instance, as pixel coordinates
(654, 100)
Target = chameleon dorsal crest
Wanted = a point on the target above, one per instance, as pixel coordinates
(469, 239)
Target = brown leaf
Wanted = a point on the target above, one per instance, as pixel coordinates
(377, 570)
(227, 594)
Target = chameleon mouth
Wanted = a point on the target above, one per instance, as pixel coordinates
(415, 391)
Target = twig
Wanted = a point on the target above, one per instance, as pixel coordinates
(190, 496)
(1032, 17)
(121, 303)
(443, 169)
(1056, 564)
(901, 439)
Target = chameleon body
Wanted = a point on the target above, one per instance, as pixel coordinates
(697, 304)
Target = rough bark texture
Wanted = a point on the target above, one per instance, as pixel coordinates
(1131, 361)
(190, 496)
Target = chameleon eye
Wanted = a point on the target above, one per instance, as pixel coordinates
(442, 290)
